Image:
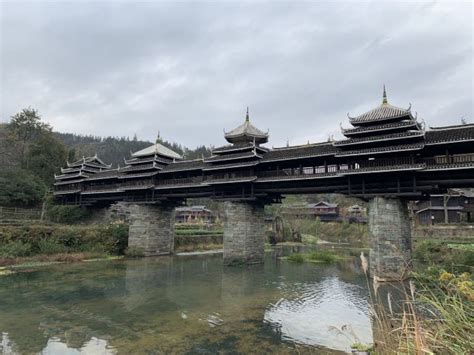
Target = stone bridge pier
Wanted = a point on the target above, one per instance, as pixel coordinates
(151, 229)
(390, 239)
(244, 232)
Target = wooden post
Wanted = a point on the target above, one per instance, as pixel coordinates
(446, 198)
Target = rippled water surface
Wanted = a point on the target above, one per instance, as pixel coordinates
(184, 304)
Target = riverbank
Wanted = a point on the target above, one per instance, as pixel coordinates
(45, 243)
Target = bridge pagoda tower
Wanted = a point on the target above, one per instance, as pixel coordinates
(244, 227)
(386, 134)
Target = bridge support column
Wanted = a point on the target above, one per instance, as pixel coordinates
(390, 239)
(151, 229)
(244, 233)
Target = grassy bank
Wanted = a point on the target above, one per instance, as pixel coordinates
(321, 257)
(197, 242)
(329, 231)
(455, 258)
(60, 243)
(66, 243)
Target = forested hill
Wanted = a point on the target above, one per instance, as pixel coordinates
(114, 150)
(31, 153)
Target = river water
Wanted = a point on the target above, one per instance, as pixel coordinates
(184, 304)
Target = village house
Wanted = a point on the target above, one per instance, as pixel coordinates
(455, 207)
(325, 211)
(194, 214)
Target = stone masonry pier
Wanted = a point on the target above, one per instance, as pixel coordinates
(244, 233)
(390, 239)
(151, 229)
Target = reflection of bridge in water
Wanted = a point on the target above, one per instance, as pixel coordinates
(387, 157)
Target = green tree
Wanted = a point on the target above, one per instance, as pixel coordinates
(46, 156)
(20, 188)
(25, 127)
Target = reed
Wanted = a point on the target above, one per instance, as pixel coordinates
(435, 316)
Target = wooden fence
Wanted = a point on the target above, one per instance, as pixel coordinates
(19, 214)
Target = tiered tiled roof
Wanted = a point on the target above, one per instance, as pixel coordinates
(77, 172)
(150, 159)
(245, 151)
(381, 114)
(157, 149)
(377, 130)
(246, 133)
(239, 147)
(385, 137)
(147, 162)
(81, 169)
(387, 127)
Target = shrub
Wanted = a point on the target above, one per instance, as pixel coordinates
(49, 247)
(322, 256)
(431, 251)
(296, 258)
(111, 239)
(15, 249)
(438, 253)
(67, 214)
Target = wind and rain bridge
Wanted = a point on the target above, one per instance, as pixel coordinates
(387, 157)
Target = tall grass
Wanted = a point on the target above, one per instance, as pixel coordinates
(434, 317)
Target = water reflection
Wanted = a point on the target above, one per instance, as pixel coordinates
(93, 346)
(330, 313)
(184, 304)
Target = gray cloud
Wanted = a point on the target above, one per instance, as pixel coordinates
(190, 69)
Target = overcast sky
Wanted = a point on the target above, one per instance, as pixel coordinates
(189, 70)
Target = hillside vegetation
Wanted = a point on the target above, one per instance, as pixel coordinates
(31, 153)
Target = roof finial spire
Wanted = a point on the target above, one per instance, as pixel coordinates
(247, 118)
(384, 100)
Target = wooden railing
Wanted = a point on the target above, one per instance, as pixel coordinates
(450, 160)
(332, 170)
(181, 181)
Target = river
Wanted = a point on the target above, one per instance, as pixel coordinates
(185, 304)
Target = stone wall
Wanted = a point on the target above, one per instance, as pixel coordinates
(244, 231)
(390, 238)
(151, 229)
(458, 233)
(120, 212)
